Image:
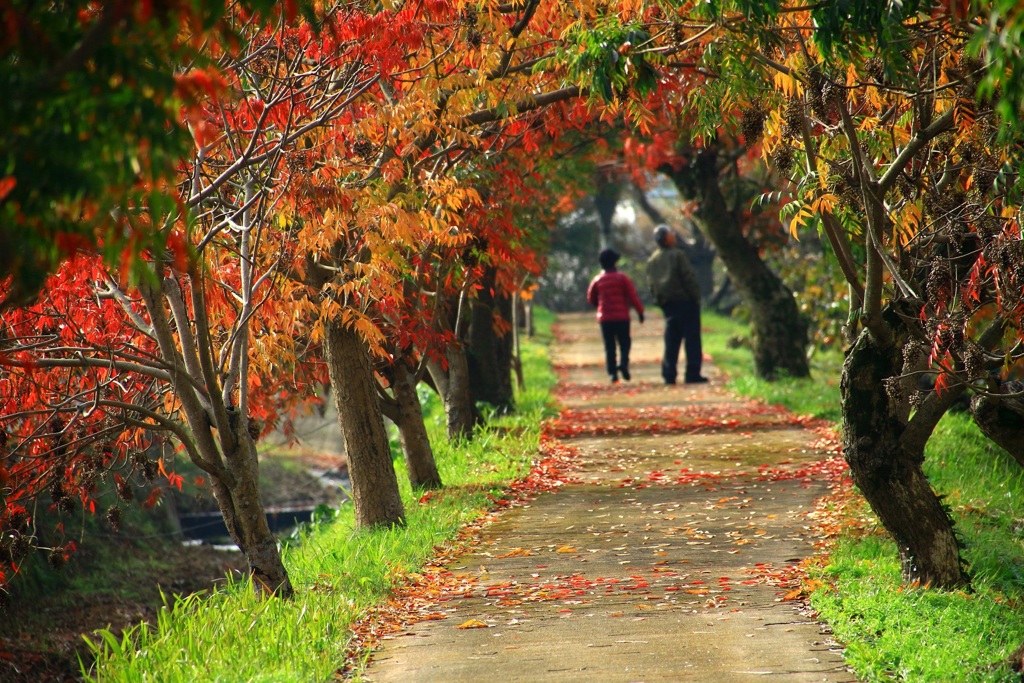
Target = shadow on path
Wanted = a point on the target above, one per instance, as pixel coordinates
(668, 559)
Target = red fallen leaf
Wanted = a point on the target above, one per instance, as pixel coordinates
(565, 611)
(697, 591)
(671, 588)
(472, 623)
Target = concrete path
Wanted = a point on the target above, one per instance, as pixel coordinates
(666, 561)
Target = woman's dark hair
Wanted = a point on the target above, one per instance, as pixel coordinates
(608, 258)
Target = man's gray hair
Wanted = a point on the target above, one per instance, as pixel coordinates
(661, 232)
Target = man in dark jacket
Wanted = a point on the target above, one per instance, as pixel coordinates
(676, 291)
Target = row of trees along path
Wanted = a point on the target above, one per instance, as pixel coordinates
(670, 553)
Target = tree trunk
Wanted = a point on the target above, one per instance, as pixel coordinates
(244, 516)
(419, 456)
(889, 473)
(490, 356)
(1002, 419)
(454, 388)
(779, 332)
(375, 492)
(232, 465)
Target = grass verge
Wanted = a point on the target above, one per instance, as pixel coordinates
(338, 572)
(894, 633)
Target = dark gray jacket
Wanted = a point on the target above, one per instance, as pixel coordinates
(671, 277)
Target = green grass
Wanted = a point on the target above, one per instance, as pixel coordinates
(892, 633)
(915, 634)
(338, 572)
(818, 397)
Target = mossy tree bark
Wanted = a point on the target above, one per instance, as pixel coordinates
(886, 453)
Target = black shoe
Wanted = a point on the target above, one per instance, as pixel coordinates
(614, 378)
(625, 372)
(697, 380)
(670, 381)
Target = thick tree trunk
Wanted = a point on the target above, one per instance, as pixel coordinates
(453, 385)
(490, 355)
(1002, 419)
(375, 492)
(779, 332)
(246, 520)
(408, 417)
(888, 471)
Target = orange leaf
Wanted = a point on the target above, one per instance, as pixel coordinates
(472, 623)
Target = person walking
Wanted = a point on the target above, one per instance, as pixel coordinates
(613, 293)
(674, 286)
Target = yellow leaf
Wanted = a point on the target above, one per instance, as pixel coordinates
(908, 222)
(800, 219)
(824, 203)
(566, 549)
(472, 623)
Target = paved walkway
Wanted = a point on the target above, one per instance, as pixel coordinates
(666, 561)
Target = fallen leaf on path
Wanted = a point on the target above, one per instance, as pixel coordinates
(472, 623)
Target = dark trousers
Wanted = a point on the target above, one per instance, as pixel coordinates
(612, 333)
(682, 322)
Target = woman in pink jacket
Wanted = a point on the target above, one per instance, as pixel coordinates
(613, 293)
